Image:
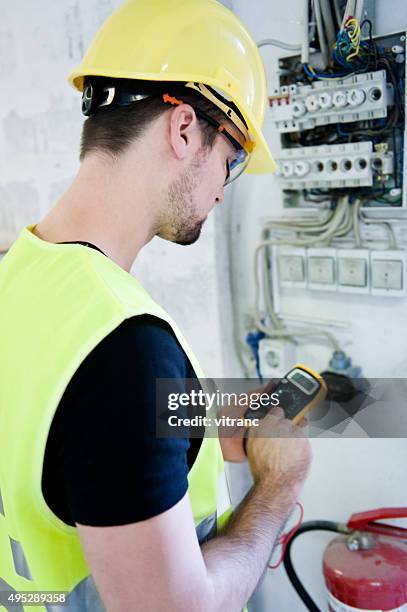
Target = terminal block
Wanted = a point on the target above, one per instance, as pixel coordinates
(328, 166)
(361, 97)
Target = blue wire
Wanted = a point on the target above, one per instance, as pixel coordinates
(324, 75)
(342, 62)
(253, 339)
(307, 71)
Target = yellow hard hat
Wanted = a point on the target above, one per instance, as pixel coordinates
(190, 41)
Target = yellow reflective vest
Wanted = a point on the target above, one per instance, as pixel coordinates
(57, 302)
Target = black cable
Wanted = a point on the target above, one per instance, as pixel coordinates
(398, 99)
(369, 23)
(289, 568)
(395, 160)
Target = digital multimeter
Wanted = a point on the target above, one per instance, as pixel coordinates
(298, 392)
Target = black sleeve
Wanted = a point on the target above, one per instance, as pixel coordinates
(103, 464)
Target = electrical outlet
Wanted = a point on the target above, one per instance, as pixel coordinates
(388, 273)
(353, 270)
(321, 269)
(276, 357)
(291, 266)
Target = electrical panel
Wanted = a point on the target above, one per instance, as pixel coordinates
(344, 135)
(338, 113)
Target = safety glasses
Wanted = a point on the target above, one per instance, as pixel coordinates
(235, 168)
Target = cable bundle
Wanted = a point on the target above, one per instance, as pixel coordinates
(348, 42)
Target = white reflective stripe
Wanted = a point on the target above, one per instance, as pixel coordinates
(15, 607)
(1, 506)
(224, 501)
(20, 562)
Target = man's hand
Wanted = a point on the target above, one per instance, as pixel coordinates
(231, 439)
(278, 451)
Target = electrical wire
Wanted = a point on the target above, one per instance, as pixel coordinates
(337, 13)
(241, 348)
(282, 332)
(321, 33)
(329, 22)
(329, 229)
(279, 43)
(356, 224)
(305, 33)
(311, 73)
(268, 293)
(304, 223)
(392, 242)
(359, 217)
(339, 223)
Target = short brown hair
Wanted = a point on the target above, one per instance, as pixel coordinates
(112, 129)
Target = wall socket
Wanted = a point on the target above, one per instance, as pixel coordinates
(291, 266)
(321, 269)
(276, 357)
(353, 270)
(388, 273)
(381, 273)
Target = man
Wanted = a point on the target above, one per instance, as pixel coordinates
(92, 503)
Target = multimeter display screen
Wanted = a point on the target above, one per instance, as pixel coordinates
(304, 382)
(291, 401)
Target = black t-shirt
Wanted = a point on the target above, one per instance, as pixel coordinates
(103, 463)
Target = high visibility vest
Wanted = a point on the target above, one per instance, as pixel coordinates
(57, 303)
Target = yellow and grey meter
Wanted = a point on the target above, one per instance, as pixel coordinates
(298, 392)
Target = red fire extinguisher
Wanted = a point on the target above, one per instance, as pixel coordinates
(365, 568)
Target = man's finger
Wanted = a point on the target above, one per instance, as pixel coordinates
(303, 423)
(277, 411)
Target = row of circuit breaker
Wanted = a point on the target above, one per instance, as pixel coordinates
(363, 271)
(299, 107)
(334, 166)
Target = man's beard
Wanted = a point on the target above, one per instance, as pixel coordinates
(182, 225)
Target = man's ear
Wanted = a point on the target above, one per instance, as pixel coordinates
(183, 126)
